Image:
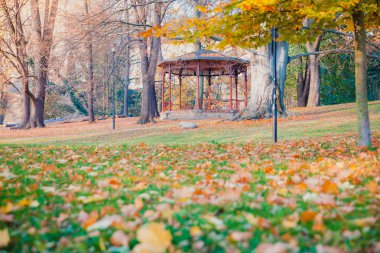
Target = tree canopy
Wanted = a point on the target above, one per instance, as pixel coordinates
(247, 23)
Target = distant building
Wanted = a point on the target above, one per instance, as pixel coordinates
(13, 114)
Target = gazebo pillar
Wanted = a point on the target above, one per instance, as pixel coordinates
(209, 91)
(245, 89)
(236, 91)
(198, 100)
(180, 90)
(170, 87)
(163, 92)
(231, 89)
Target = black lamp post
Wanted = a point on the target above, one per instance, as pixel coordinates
(274, 74)
(113, 90)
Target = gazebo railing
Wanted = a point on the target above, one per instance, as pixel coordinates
(209, 105)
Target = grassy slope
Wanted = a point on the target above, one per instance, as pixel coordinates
(307, 122)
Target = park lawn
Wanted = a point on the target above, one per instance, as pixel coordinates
(302, 123)
(315, 194)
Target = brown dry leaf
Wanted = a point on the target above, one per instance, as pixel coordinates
(278, 247)
(139, 203)
(61, 218)
(291, 221)
(119, 238)
(238, 236)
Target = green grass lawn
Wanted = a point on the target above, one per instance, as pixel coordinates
(303, 123)
(220, 188)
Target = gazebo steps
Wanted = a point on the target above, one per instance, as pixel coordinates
(195, 115)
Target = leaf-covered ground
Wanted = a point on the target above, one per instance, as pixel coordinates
(314, 195)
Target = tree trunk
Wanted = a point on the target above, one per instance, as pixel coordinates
(364, 133)
(38, 118)
(313, 78)
(127, 75)
(26, 104)
(309, 79)
(303, 84)
(90, 71)
(90, 84)
(260, 101)
(44, 38)
(148, 72)
(314, 82)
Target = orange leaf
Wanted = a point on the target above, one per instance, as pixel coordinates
(318, 224)
(330, 187)
(372, 187)
(308, 216)
(91, 219)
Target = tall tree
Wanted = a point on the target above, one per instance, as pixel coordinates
(142, 10)
(15, 51)
(43, 33)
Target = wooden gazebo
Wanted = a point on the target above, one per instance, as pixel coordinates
(207, 64)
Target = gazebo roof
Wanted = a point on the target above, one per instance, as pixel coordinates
(204, 55)
(210, 63)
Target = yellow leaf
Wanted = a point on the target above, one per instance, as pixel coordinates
(202, 8)
(6, 209)
(93, 198)
(195, 231)
(153, 237)
(4, 238)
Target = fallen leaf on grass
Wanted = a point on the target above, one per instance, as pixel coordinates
(195, 231)
(278, 247)
(238, 236)
(308, 216)
(363, 222)
(104, 223)
(93, 198)
(318, 225)
(153, 237)
(119, 238)
(329, 187)
(291, 221)
(372, 187)
(4, 238)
